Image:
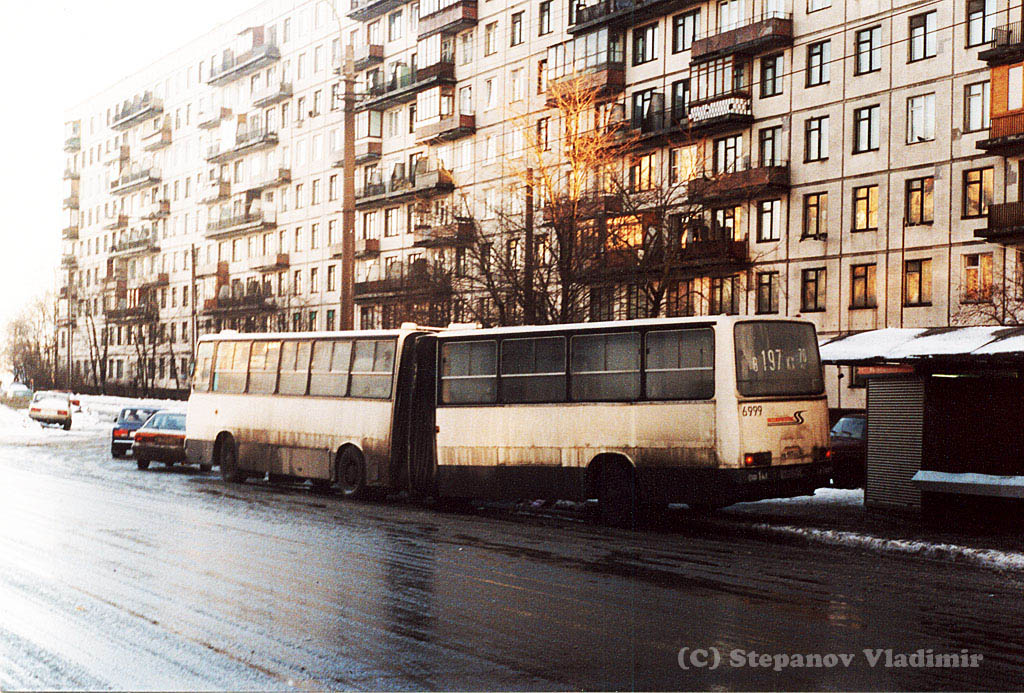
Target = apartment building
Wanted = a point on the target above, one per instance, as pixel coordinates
(848, 173)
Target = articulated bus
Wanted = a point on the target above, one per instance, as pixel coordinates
(706, 411)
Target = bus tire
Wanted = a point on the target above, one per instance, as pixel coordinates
(618, 502)
(142, 464)
(351, 474)
(227, 458)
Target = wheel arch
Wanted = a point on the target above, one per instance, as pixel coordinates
(601, 461)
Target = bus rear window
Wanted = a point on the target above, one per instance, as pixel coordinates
(777, 358)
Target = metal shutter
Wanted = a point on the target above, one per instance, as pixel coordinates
(895, 425)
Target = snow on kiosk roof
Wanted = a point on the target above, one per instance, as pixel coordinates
(894, 344)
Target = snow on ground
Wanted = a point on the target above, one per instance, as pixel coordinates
(107, 407)
(97, 414)
(823, 496)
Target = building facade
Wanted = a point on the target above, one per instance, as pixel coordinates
(839, 153)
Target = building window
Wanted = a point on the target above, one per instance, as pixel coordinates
(466, 48)
(868, 51)
(544, 18)
(767, 292)
(490, 38)
(919, 200)
(862, 286)
(866, 129)
(922, 36)
(816, 139)
(818, 57)
(977, 278)
(543, 139)
(865, 208)
(768, 146)
(771, 75)
(921, 118)
(395, 26)
(980, 16)
(685, 28)
(516, 31)
(976, 106)
(391, 222)
(518, 84)
(641, 173)
(812, 294)
(815, 215)
(917, 283)
(727, 154)
(977, 192)
(815, 5)
(769, 220)
(644, 49)
(724, 296)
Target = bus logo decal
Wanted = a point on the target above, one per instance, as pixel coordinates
(796, 419)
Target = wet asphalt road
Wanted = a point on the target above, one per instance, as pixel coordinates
(171, 579)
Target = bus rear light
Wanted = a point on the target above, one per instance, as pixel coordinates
(757, 459)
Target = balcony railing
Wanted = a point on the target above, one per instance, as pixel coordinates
(218, 190)
(456, 232)
(367, 247)
(659, 123)
(234, 223)
(448, 20)
(1007, 45)
(68, 261)
(448, 128)
(134, 181)
(741, 181)
(69, 174)
(246, 140)
(605, 80)
(765, 32)
(406, 83)
(157, 139)
(731, 109)
(1005, 134)
(117, 155)
(215, 118)
(363, 10)
(155, 281)
(368, 55)
(141, 108)
(367, 150)
(234, 67)
(1005, 224)
(141, 311)
(136, 243)
(620, 13)
(272, 94)
(415, 277)
(281, 176)
(69, 233)
(425, 181)
(70, 202)
(252, 301)
(72, 144)
(714, 252)
(158, 210)
(270, 262)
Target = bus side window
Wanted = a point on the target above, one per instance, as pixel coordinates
(681, 364)
(328, 374)
(263, 367)
(203, 367)
(294, 368)
(373, 364)
(469, 372)
(232, 366)
(606, 367)
(533, 370)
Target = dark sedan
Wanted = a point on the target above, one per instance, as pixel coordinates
(128, 421)
(848, 440)
(160, 439)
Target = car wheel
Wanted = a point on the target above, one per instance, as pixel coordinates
(228, 460)
(67, 425)
(142, 464)
(117, 453)
(351, 474)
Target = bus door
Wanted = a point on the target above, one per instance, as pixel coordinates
(422, 454)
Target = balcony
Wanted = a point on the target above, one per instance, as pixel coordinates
(769, 31)
(135, 181)
(238, 223)
(115, 278)
(452, 233)
(245, 303)
(362, 10)
(67, 292)
(365, 248)
(424, 183)
(155, 281)
(68, 261)
(656, 127)
(448, 20)
(411, 279)
(742, 183)
(71, 175)
(158, 210)
(714, 253)
(140, 312)
(70, 202)
(590, 205)
(117, 155)
(215, 119)
(218, 190)
(366, 151)
(246, 140)
(406, 83)
(212, 269)
(1005, 224)
(1005, 135)
(448, 128)
(141, 108)
(272, 94)
(118, 222)
(281, 176)
(233, 67)
(73, 144)
(368, 55)
(136, 244)
(605, 80)
(69, 233)
(270, 262)
(1007, 45)
(722, 111)
(157, 139)
(622, 13)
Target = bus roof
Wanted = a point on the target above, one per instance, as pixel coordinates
(231, 335)
(610, 324)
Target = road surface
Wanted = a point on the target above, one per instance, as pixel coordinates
(171, 579)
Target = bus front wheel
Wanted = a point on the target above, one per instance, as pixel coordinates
(617, 498)
(228, 461)
(351, 474)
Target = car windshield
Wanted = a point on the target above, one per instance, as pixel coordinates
(135, 415)
(849, 427)
(51, 399)
(167, 422)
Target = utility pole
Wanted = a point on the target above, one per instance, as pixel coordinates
(530, 311)
(193, 254)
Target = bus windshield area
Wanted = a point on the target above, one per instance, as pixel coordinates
(777, 359)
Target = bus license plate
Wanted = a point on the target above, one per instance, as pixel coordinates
(757, 476)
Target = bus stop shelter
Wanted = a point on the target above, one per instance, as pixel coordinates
(945, 415)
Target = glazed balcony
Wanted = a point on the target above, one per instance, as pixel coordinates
(1007, 45)
(404, 85)
(621, 13)
(1005, 224)
(448, 20)
(137, 245)
(245, 303)
(448, 128)
(131, 182)
(235, 67)
(70, 202)
(69, 174)
(367, 150)
(767, 32)
(452, 233)
(69, 233)
(607, 80)
(721, 112)
(141, 108)
(1005, 135)
(363, 10)
(275, 93)
(404, 279)
(227, 225)
(246, 140)
(368, 55)
(271, 262)
(73, 144)
(366, 248)
(139, 312)
(742, 182)
(157, 139)
(216, 191)
(215, 119)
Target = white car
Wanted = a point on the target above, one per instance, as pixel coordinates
(51, 408)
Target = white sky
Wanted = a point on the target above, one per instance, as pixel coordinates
(55, 55)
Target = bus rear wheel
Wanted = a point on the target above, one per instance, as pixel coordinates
(228, 461)
(617, 498)
(351, 474)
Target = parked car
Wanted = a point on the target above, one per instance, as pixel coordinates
(848, 440)
(128, 421)
(161, 439)
(17, 394)
(51, 408)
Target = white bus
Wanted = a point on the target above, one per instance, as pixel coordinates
(707, 411)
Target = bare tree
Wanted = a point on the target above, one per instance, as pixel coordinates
(997, 299)
(29, 348)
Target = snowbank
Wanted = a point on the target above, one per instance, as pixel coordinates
(107, 407)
